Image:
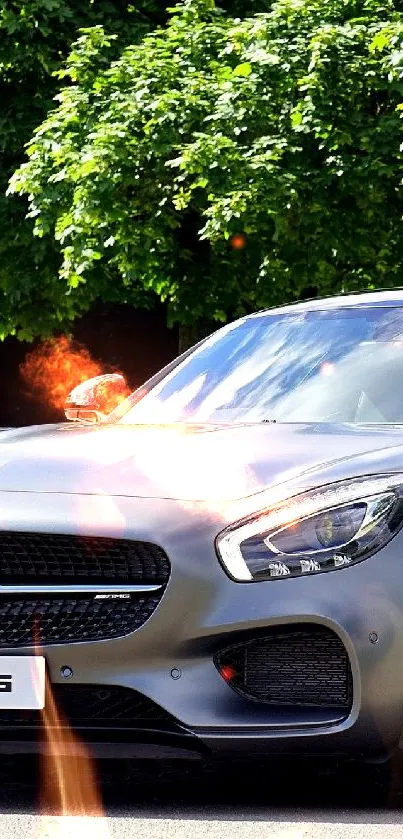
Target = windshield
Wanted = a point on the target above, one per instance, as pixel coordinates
(340, 365)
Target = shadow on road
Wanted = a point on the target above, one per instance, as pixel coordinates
(280, 789)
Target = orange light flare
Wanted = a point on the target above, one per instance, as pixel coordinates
(69, 788)
(55, 367)
(238, 242)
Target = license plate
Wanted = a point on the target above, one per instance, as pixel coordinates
(22, 682)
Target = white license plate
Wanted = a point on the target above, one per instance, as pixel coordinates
(22, 682)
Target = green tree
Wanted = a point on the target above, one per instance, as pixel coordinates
(225, 164)
(35, 39)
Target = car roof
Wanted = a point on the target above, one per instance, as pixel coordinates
(392, 297)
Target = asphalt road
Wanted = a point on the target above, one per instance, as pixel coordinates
(285, 800)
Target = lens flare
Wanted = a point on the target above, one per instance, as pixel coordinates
(194, 467)
(69, 784)
(327, 368)
(238, 242)
(55, 367)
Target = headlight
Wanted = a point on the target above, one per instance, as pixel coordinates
(321, 530)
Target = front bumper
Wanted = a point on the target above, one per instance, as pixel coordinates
(170, 658)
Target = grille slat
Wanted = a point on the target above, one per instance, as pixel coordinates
(33, 558)
(293, 667)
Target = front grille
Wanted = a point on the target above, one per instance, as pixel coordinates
(301, 666)
(96, 706)
(48, 559)
(44, 559)
(26, 621)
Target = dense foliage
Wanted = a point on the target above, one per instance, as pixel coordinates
(222, 163)
(35, 38)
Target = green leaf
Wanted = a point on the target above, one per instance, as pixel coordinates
(244, 69)
(296, 118)
(381, 40)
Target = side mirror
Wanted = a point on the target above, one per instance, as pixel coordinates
(94, 399)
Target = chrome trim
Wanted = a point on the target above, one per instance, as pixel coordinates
(79, 589)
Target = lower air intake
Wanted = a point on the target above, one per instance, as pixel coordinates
(293, 666)
(97, 706)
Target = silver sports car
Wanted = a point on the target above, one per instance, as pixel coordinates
(216, 566)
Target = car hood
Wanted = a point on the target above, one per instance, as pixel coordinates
(184, 462)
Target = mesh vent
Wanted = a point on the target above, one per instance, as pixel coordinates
(61, 620)
(35, 558)
(293, 667)
(96, 706)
